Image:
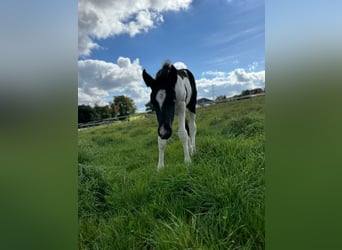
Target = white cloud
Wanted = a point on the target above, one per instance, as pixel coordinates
(180, 65)
(92, 96)
(100, 80)
(106, 18)
(214, 83)
(235, 77)
(106, 75)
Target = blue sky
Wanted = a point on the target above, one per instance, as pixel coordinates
(221, 41)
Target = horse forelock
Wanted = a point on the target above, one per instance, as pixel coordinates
(163, 73)
(166, 63)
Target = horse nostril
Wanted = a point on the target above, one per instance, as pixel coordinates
(164, 133)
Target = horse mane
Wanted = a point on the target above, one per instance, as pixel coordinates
(164, 71)
(166, 63)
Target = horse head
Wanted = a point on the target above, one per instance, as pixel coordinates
(163, 97)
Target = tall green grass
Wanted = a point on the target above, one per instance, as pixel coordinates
(215, 203)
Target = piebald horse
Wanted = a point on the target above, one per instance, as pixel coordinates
(173, 91)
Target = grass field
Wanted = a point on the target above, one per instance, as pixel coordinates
(215, 203)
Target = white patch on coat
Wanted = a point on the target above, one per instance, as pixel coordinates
(160, 97)
(183, 90)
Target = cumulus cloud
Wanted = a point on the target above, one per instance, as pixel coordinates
(107, 75)
(106, 18)
(213, 83)
(235, 77)
(180, 65)
(100, 81)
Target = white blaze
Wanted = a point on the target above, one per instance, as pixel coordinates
(160, 97)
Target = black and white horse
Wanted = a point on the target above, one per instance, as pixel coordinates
(174, 91)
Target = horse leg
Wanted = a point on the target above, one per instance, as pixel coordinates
(183, 134)
(161, 146)
(193, 130)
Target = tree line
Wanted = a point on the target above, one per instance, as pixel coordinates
(120, 108)
(245, 92)
(123, 106)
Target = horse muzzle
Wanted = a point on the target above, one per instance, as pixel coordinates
(164, 132)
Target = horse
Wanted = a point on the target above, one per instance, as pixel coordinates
(172, 92)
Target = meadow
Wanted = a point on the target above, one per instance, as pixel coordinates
(217, 202)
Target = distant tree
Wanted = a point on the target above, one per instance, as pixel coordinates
(103, 111)
(149, 107)
(245, 92)
(221, 98)
(112, 110)
(124, 106)
(257, 91)
(86, 114)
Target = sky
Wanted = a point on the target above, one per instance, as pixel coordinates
(222, 42)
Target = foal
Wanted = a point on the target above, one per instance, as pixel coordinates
(173, 91)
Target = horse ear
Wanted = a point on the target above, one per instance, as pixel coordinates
(148, 79)
(173, 75)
